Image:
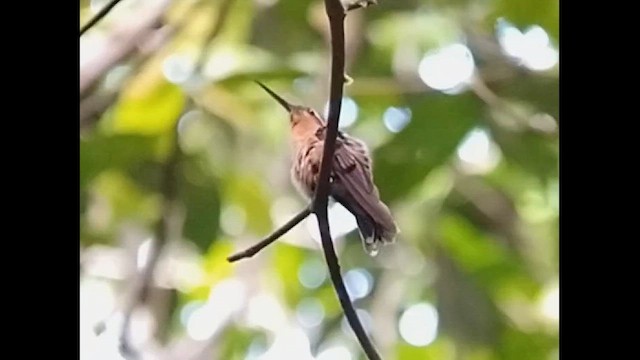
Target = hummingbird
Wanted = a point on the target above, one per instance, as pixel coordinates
(351, 176)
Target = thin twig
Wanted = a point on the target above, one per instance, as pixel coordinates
(169, 189)
(122, 42)
(482, 91)
(102, 13)
(271, 238)
(336, 15)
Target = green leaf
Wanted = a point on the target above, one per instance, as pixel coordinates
(533, 152)
(530, 345)
(216, 269)
(438, 124)
(248, 192)
(120, 151)
(290, 17)
(287, 260)
(424, 29)
(492, 264)
(115, 198)
(466, 309)
(201, 198)
(150, 106)
(543, 92)
(441, 349)
(237, 342)
(127, 200)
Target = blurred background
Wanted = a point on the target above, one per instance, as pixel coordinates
(184, 160)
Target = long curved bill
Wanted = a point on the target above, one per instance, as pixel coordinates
(280, 100)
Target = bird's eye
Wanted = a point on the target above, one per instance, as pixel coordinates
(311, 112)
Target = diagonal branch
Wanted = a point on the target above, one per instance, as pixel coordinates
(121, 43)
(480, 88)
(145, 279)
(102, 13)
(336, 15)
(271, 238)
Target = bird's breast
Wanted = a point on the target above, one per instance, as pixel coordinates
(306, 166)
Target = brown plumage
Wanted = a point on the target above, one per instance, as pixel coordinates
(351, 176)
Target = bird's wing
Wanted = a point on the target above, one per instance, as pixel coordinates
(352, 168)
(351, 160)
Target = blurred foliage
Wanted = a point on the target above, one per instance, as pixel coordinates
(425, 143)
(480, 245)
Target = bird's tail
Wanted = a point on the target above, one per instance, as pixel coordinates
(374, 235)
(375, 223)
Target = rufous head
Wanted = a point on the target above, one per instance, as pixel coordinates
(297, 114)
